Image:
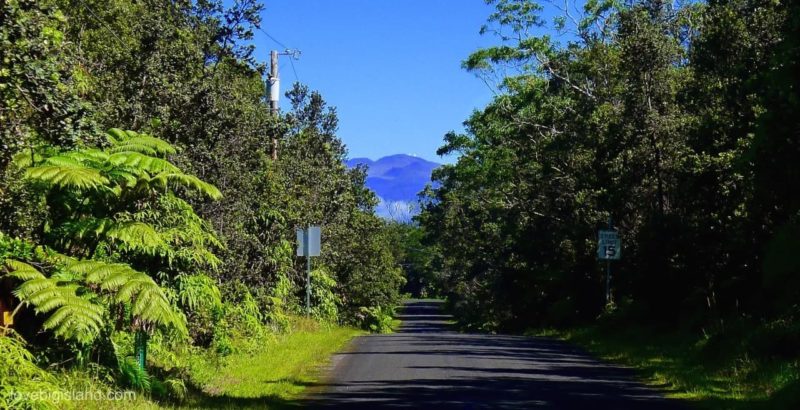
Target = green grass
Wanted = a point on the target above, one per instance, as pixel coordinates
(396, 323)
(275, 374)
(685, 367)
(271, 375)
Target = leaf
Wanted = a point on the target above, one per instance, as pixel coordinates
(77, 177)
(73, 317)
(189, 181)
(22, 271)
(137, 236)
(144, 144)
(141, 161)
(149, 302)
(132, 141)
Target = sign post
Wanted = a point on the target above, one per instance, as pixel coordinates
(308, 245)
(609, 247)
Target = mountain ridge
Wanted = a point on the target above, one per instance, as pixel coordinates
(396, 178)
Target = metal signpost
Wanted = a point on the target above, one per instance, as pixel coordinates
(609, 247)
(308, 245)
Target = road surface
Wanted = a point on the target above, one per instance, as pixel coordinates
(428, 366)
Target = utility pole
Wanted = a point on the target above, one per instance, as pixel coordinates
(274, 94)
(274, 88)
(308, 274)
(608, 271)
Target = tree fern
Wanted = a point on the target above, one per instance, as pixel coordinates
(145, 145)
(137, 236)
(135, 142)
(85, 228)
(195, 291)
(73, 316)
(127, 286)
(75, 177)
(77, 312)
(189, 181)
(135, 160)
(119, 203)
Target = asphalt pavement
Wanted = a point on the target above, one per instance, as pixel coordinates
(428, 365)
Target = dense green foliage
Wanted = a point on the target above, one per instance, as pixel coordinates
(676, 122)
(182, 231)
(419, 259)
(672, 121)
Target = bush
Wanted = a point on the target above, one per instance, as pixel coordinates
(20, 377)
(323, 299)
(376, 319)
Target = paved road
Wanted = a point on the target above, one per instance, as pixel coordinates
(428, 366)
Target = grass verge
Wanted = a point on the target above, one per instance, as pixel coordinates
(688, 367)
(273, 375)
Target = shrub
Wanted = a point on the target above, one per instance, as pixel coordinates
(20, 377)
(376, 319)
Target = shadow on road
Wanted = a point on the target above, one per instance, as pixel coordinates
(427, 364)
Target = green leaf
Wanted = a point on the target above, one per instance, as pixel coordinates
(77, 177)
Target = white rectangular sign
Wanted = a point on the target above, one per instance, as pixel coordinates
(308, 241)
(609, 246)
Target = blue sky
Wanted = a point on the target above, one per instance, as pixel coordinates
(391, 67)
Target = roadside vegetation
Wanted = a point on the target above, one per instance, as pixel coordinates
(146, 232)
(677, 124)
(748, 368)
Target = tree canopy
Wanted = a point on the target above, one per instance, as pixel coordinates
(670, 121)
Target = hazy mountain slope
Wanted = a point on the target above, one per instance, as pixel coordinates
(396, 178)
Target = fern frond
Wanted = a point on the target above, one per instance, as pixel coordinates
(127, 176)
(73, 317)
(23, 159)
(144, 144)
(149, 303)
(133, 374)
(32, 287)
(135, 142)
(116, 135)
(136, 160)
(22, 271)
(198, 290)
(88, 155)
(126, 147)
(64, 161)
(137, 236)
(97, 271)
(86, 228)
(198, 256)
(188, 181)
(67, 176)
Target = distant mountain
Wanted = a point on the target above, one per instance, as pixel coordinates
(396, 179)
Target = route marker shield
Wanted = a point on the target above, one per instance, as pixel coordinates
(609, 246)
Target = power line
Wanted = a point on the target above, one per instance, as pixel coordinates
(291, 61)
(273, 38)
(287, 51)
